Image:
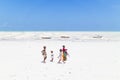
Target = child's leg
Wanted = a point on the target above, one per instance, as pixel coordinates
(45, 58)
(51, 60)
(59, 60)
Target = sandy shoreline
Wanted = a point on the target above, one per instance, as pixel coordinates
(21, 60)
(60, 36)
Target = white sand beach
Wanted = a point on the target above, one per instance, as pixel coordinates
(91, 57)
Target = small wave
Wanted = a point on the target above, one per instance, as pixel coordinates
(60, 36)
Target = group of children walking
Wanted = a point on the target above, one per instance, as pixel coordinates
(62, 55)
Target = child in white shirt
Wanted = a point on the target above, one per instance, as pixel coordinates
(52, 56)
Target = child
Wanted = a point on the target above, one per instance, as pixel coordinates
(52, 56)
(64, 56)
(60, 55)
(44, 54)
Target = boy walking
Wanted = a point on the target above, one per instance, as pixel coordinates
(44, 54)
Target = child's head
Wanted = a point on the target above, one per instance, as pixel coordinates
(63, 46)
(44, 47)
(60, 50)
(51, 51)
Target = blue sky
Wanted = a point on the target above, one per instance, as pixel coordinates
(59, 15)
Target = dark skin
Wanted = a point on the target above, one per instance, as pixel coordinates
(65, 51)
(44, 50)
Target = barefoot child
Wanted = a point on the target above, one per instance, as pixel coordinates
(65, 53)
(52, 56)
(60, 56)
(44, 54)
